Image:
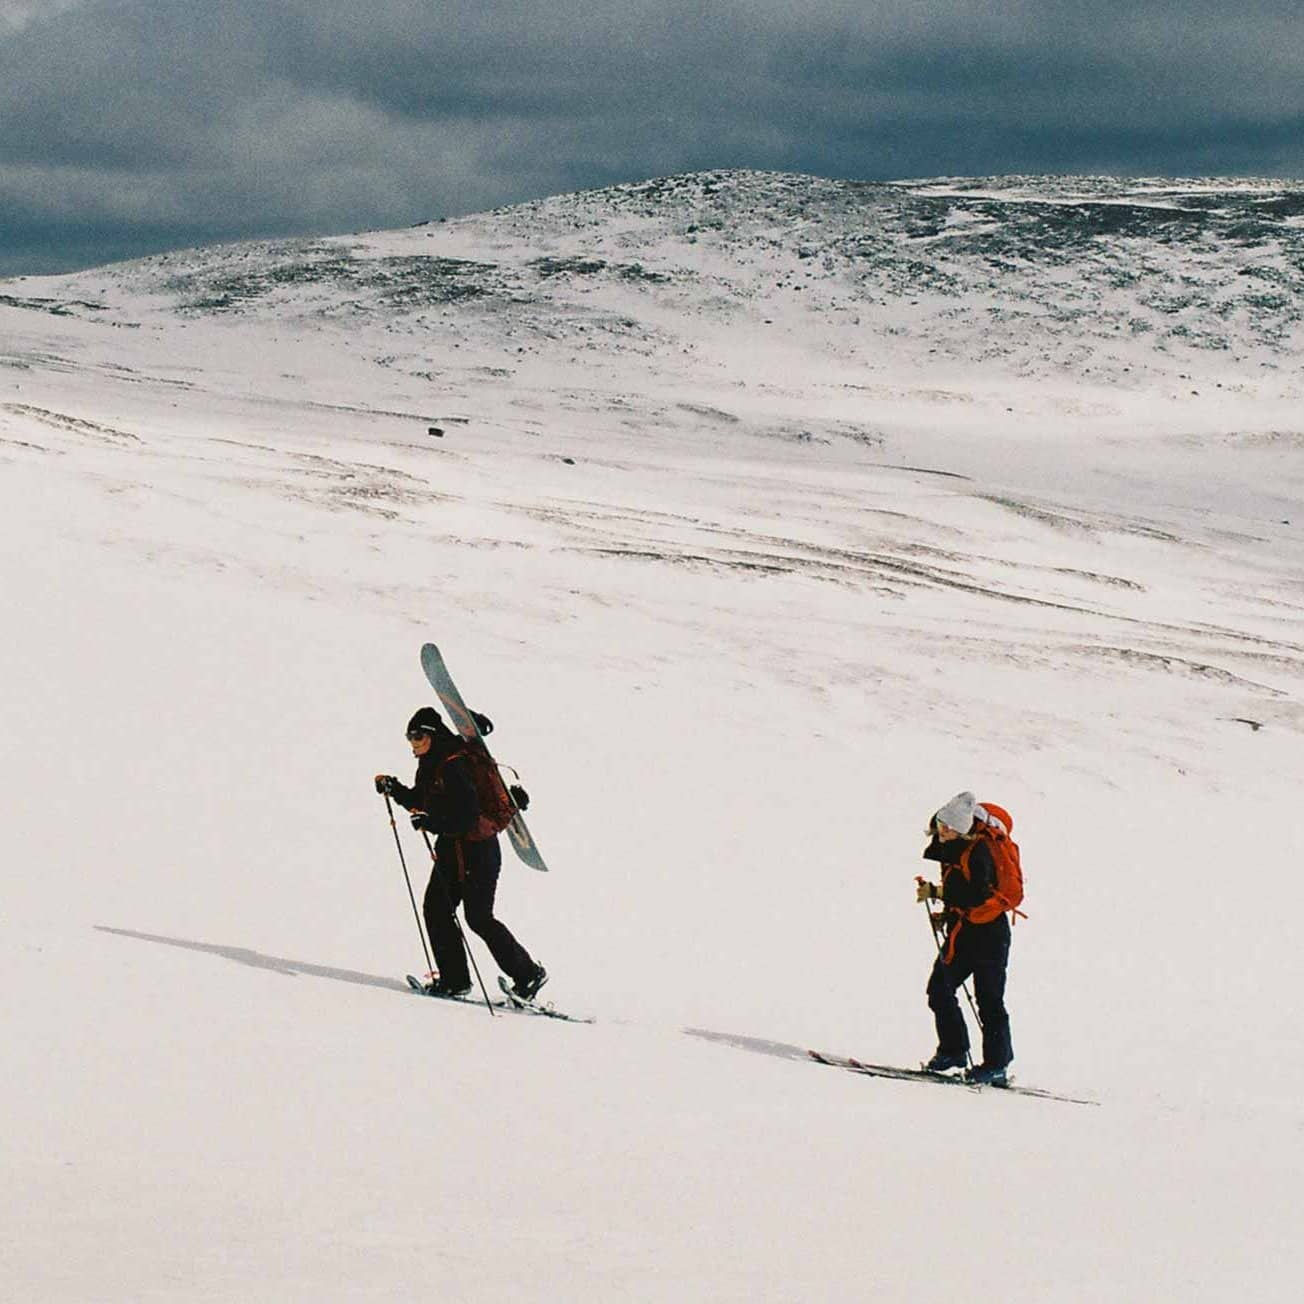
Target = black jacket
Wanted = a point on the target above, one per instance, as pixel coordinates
(979, 943)
(443, 789)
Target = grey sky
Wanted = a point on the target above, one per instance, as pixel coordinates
(133, 125)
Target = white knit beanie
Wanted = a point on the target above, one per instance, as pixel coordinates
(958, 813)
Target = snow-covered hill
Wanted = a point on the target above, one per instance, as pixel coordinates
(764, 513)
(1065, 275)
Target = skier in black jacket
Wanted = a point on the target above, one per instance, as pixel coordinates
(443, 801)
(980, 949)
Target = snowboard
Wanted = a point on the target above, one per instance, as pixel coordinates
(432, 662)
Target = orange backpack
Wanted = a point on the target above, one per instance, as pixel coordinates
(993, 824)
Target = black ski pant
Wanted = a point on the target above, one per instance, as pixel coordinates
(989, 992)
(466, 873)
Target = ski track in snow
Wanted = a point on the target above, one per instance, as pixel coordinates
(767, 512)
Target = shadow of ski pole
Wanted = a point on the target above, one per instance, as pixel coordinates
(257, 960)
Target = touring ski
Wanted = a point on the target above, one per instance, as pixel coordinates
(547, 1009)
(470, 998)
(432, 662)
(923, 1075)
(512, 1002)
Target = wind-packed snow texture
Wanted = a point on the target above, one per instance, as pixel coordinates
(767, 513)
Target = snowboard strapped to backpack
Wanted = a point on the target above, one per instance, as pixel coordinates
(992, 823)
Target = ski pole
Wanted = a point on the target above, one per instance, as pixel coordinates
(466, 946)
(421, 932)
(964, 987)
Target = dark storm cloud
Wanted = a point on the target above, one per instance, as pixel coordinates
(135, 124)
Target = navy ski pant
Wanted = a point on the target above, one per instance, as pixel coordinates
(466, 873)
(989, 993)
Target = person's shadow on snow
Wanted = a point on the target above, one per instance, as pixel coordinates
(257, 960)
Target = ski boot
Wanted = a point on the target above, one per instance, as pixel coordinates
(944, 1062)
(988, 1075)
(528, 989)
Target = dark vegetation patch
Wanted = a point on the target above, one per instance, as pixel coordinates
(577, 266)
(401, 281)
(57, 307)
(547, 267)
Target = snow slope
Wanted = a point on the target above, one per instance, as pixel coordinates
(767, 513)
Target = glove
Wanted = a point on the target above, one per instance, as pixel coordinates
(926, 891)
(385, 784)
(519, 796)
(419, 818)
(482, 722)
